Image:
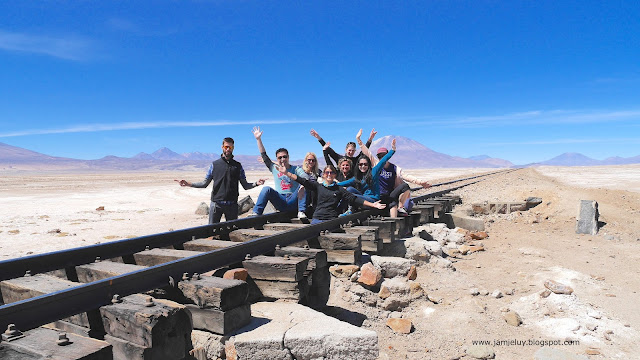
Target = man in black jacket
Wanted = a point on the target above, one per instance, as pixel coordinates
(225, 174)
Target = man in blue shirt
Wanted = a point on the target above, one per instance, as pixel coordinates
(285, 195)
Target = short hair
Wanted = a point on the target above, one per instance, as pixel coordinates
(350, 143)
(228, 140)
(282, 150)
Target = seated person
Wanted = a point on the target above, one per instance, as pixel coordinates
(285, 196)
(329, 194)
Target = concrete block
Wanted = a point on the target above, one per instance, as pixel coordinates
(288, 331)
(344, 256)
(587, 220)
(317, 257)
(386, 228)
(454, 220)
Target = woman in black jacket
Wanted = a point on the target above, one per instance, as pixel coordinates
(329, 194)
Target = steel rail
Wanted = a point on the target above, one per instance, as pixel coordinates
(31, 313)
(40, 310)
(12, 268)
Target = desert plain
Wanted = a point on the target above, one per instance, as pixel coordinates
(47, 211)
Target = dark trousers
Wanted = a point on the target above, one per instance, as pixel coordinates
(391, 199)
(216, 210)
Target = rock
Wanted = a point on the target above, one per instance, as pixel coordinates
(469, 249)
(413, 273)
(548, 353)
(512, 318)
(545, 293)
(203, 209)
(100, 208)
(496, 294)
(587, 219)
(354, 277)
(481, 352)
(395, 302)
(369, 275)
(400, 326)
(209, 343)
(479, 235)
(384, 292)
(423, 234)
(594, 314)
(592, 351)
(558, 288)
(474, 291)
(484, 292)
(343, 271)
(392, 266)
(236, 274)
(245, 204)
(421, 250)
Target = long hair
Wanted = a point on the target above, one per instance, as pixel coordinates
(363, 176)
(313, 170)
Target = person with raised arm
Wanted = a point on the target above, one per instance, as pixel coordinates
(366, 182)
(285, 195)
(225, 173)
(329, 194)
(350, 149)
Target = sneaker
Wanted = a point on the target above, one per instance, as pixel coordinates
(302, 215)
(348, 212)
(402, 212)
(252, 214)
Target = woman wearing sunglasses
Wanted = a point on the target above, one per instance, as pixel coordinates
(312, 173)
(366, 182)
(329, 194)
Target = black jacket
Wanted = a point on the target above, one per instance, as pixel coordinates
(225, 175)
(328, 198)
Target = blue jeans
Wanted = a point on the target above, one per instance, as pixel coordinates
(302, 202)
(357, 193)
(281, 202)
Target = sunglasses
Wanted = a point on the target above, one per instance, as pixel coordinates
(227, 147)
(283, 157)
(329, 172)
(311, 160)
(363, 164)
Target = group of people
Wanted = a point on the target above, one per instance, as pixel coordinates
(355, 181)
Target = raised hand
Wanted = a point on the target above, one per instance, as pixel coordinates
(373, 134)
(256, 132)
(326, 146)
(359, 134)
(315, 134)
(393, 144)
(282, 169)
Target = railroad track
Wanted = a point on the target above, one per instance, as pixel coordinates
(26, 309)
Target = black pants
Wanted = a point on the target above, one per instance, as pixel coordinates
(391, 199)
(216, 210)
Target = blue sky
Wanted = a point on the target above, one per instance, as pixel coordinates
(520, 80)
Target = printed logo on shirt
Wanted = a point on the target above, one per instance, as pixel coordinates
(386, 174)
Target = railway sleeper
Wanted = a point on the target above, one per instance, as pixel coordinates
(158, 329)
(43, 343)
(215, 304)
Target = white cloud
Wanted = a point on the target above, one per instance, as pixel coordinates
(535, 117)
(568, 141)
(152, 125)
(68, 48)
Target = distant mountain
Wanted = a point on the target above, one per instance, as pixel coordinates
(413, 155)
(166, 154)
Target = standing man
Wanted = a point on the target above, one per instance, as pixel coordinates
(285, 195)
(225, 174)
